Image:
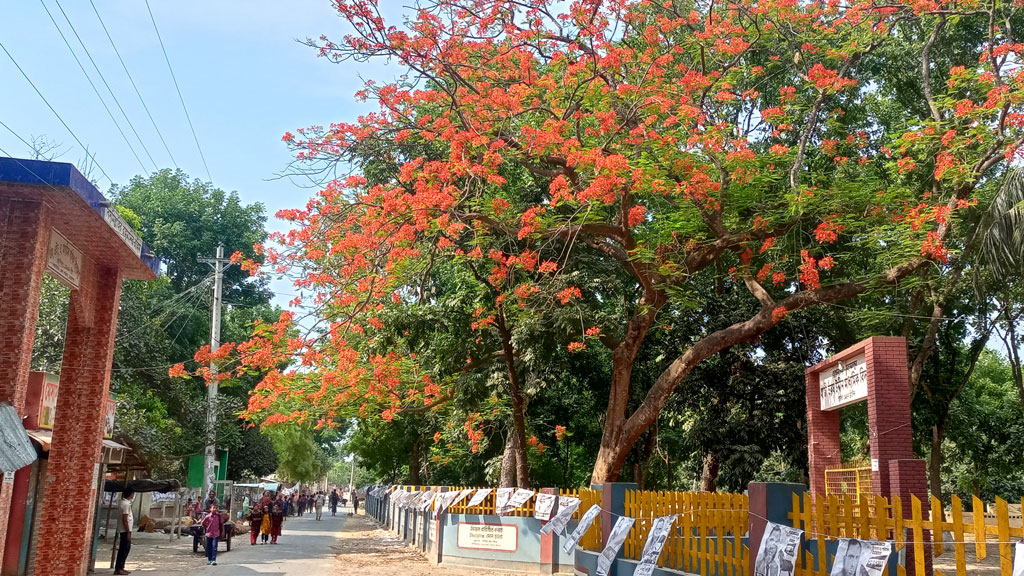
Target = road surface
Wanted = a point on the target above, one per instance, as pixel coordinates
(335, 546)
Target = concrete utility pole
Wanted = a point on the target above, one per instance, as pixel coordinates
(219, 264)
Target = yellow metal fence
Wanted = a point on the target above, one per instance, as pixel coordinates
(706, 537)
(849, 481)
(907, 525)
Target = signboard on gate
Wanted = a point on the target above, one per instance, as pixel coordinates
(495, 537)
(64, 260)
(123, 229)
(48, 403)
(844, 384)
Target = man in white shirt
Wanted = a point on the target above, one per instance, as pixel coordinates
(125, 521)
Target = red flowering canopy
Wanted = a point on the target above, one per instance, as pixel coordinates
(809, 151)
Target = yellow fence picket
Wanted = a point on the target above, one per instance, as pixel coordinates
(978, 515)
(1005, 549)
(959, 550)
(937, 526)
(917, 523)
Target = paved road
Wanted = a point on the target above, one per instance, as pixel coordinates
(306, 548)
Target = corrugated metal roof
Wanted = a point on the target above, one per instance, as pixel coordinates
(16, 450)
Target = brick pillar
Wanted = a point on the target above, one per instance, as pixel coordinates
(70, 493)
(888, 409)
(547, 545)
(910, 478)
(24, 239)
(822, 435)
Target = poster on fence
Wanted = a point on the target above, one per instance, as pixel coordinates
(566, 507)
(618, 535)
(656, 538)
(777, 555)
(479, 497)
(861, 557)
(519, 498)
(501, 500)
(544, 506)
(581, 529)
(459, 497)
(444, 500)
(427, 500)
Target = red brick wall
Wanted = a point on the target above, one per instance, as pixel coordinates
(24, 239)
(822, 436)
(70, 494)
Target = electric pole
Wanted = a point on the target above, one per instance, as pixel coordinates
(219, 264)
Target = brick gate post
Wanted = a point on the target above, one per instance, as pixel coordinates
(70, 492)
(24, 239)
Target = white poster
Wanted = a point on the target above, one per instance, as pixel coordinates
(566, 507)
(501, 500)
(861, 557)
(1018, 560)
(427, 500)
(544, 506)
(656, 538)
(459, 496)
(581, 529)
(520, 497)
(619, 532)
(444, 500)
(777, 555)
(478, 498)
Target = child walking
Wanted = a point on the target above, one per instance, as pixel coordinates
(265, 524)
(276, 520)
(255, 521)
(213, 525)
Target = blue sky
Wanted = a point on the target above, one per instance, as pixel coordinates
(244, 77)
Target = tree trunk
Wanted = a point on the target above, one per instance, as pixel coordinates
(935, 460)
(644, 458)
(709, 476)
(518, 403)
(508, 463)
(414, 464)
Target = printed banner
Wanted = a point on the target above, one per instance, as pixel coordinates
(427, 500)
(861, 557)
(656, 538)
(459, 496)
(581, 529)
(478, 498)
(566, 507)
(1018, 560)
(520, 497)
(444, 500)
(619, 532)
(780, 546)
(544, 506)
(501, 500)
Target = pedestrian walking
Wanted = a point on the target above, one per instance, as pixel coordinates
(125, 522)
(255, 520)
(213, 525)
(355, 502)
(276, 522)
(334, 501)
(265, 525)
(318, 504)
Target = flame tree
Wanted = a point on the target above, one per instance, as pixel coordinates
(591, 163)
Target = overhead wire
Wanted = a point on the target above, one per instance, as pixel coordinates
(16, 135)
(104, 79)
(59, 117)
(176, 87)
(93, 85)
(132, 80)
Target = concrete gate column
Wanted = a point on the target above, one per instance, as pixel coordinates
(70, 493)
(24, 238)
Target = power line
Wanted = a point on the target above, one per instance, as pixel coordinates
(112, 95)
(16, 135)
(47, 102)
(93, 85)
(132, 80)
(176, 87)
